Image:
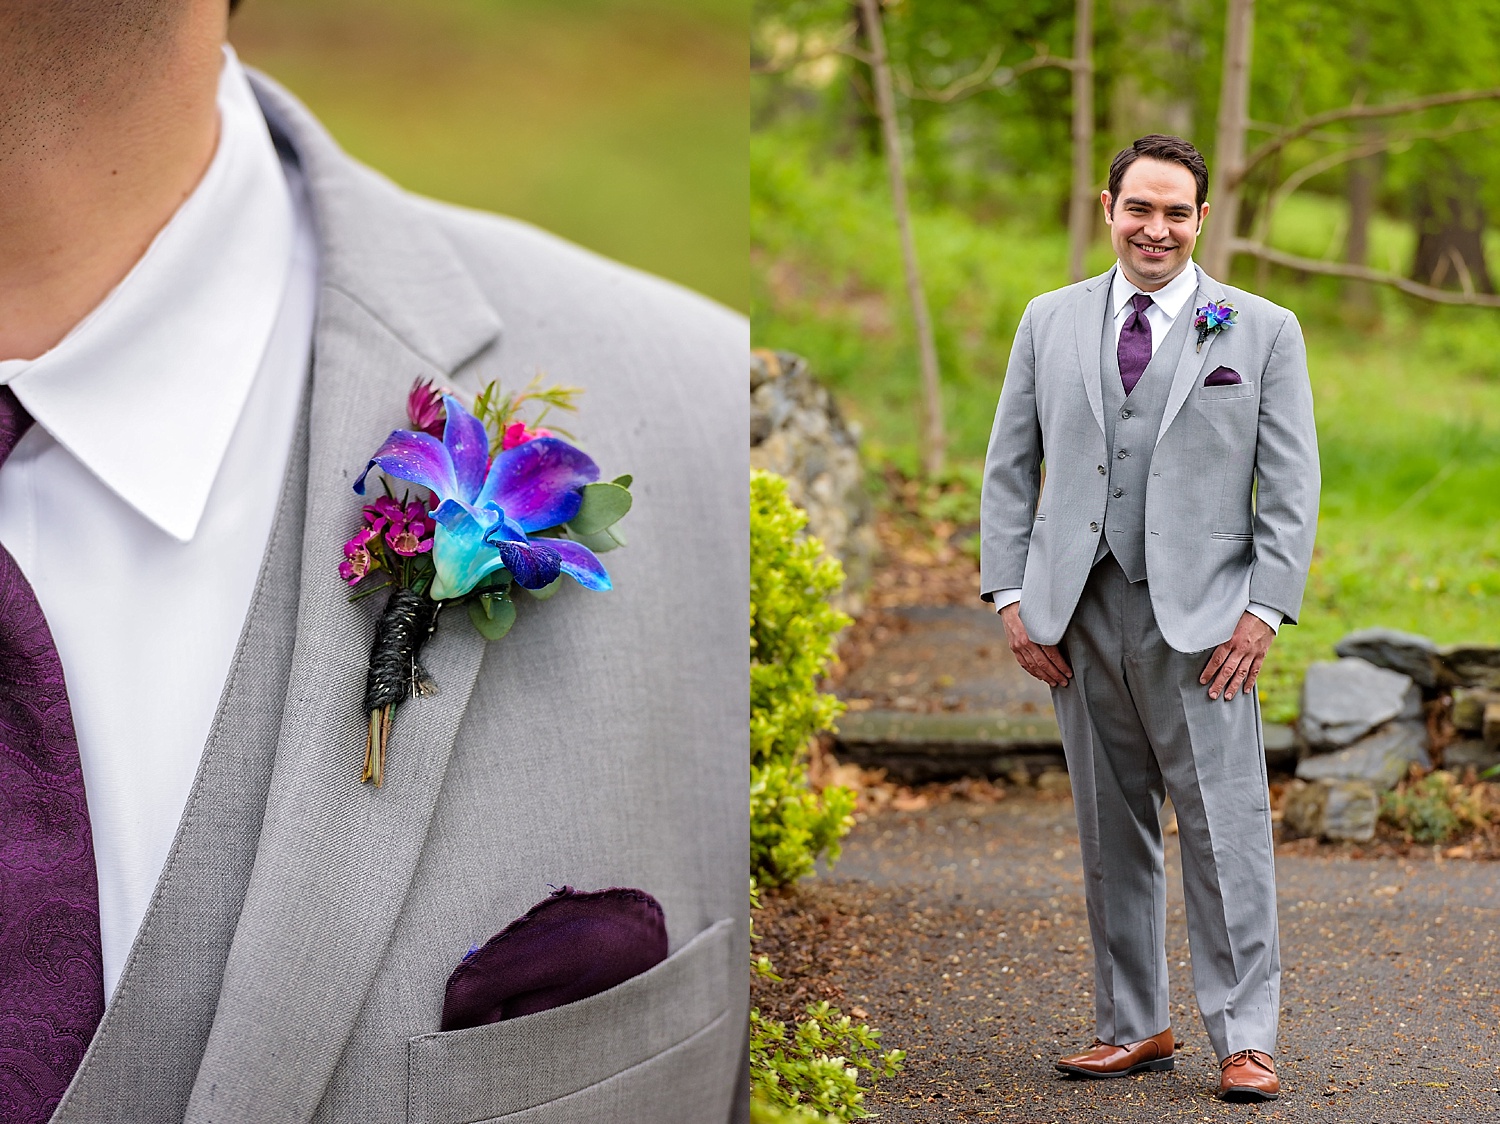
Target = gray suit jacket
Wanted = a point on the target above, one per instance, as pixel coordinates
(1232, 498)
(292, 964)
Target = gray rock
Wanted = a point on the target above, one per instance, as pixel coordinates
(1469, 751)
(1472, 665)
(1333, 810)
(796, 431)
(1468, 708)
(1344, 700)
(1380, 758)
(1405, 652)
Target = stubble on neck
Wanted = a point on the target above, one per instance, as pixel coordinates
(107, 122)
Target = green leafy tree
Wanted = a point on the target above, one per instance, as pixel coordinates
(792, 629)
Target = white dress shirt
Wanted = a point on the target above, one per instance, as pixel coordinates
(1166, 303)
(140, 503)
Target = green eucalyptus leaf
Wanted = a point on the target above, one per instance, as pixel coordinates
(547, 590)
(602, 542)
(492, 614)
(603, 505)
(624, 480)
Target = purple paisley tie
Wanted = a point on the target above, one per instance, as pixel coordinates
(51, 971)
(1135, 343)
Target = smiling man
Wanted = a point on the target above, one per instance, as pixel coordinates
(1144, 582)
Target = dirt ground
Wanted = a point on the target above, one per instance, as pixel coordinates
(957, 927)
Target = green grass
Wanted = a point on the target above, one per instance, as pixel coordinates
(620, 124)
(1407, 397)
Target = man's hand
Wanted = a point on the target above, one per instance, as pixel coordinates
(1235, 664)
(1043, 661)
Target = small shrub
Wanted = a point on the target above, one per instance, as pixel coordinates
(814, 1067)
(792, 628)
(1433, 808)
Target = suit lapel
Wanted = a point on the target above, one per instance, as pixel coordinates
(336, 857)
(1088, 323)
(170, 985)
(1190, 363)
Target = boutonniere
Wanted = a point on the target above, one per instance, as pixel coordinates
(498, 504)
(1212, 319)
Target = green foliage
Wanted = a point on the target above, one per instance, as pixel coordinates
(815, 1065)
(1435, 808)
(763, 1112)
(603, 506)
(792, 628)
(499, 409)
(493, 614)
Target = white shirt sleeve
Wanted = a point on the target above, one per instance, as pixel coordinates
(1006, 597)
(1271, 616)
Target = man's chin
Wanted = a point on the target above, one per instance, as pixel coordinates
(1156, 270)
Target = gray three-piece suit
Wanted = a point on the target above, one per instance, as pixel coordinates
(1163, 514)
(292, 963)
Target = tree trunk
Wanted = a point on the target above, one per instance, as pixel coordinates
(1450, 222)
(1229, 142)
(1362, 185)
(1082, 205)
(934, 444)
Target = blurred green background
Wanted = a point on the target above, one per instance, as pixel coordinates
(619, 124)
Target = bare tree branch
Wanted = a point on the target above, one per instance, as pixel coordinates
(1363, 273)
(1362, 113)
(1280, 194)
(981, 79)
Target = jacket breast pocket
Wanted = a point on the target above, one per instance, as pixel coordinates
(1234, 391)
(655, 1048)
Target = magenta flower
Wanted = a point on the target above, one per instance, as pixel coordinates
(516, 433)
(358, 560)
(424, 407)
(408, 530)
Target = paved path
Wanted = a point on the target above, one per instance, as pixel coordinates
(960, 931)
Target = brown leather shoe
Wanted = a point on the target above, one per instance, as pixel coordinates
(1105, 1060)
(1248, 1075)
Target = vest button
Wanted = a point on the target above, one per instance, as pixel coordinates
(1125, 413)
(1094, 527)
(1118, 492)
(1121, 455)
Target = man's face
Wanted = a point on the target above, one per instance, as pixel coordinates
(1154, 223)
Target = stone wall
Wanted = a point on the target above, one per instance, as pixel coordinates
(796, 431)
(1367, 718)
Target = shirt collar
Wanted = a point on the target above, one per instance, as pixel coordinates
(147, 389)
(1169, 298)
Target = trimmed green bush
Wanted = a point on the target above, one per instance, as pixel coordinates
(810, 1072)
(792, 629)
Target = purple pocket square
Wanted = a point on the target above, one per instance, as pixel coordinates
(568, 947)
(1223, 376)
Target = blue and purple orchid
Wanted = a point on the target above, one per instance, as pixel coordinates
(487, 510)
(1211, 319)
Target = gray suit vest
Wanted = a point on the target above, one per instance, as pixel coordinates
(1130, 428)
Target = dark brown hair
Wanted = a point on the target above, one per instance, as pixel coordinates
(1159, 146)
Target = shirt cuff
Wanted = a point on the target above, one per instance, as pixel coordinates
(1004, 597)
(1271, 616)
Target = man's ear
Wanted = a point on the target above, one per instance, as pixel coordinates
(1202, 214)
(1109, 214)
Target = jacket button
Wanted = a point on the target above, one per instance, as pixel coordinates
(1101, 470)
(1118, 492)
(1094, 527)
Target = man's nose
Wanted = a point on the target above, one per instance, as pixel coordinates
(1156, 228)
